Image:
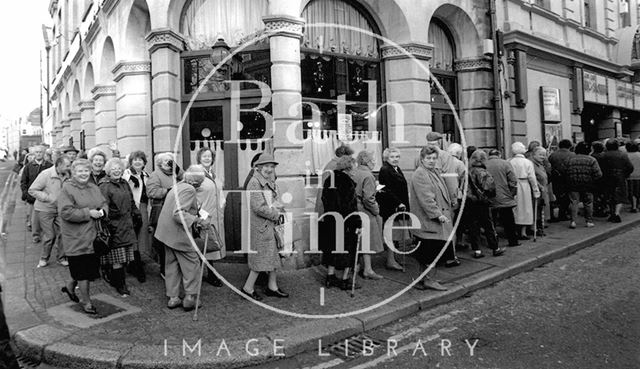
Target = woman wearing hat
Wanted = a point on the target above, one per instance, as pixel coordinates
(265, 211)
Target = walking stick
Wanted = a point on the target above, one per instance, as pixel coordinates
(355, 265)
(204, 251)
(535, 215)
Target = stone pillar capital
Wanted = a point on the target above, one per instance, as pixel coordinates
(87, 105)
(164, 38)
(65, 123)
(74, 115)
(130, 68)
(103, 90)
(479, 63)
(415, 50)
(284, 25)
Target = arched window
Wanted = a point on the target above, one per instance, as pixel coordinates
(338, 62)
(443, 49)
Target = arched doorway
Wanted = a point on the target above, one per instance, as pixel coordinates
(441, 67)
(341, 77)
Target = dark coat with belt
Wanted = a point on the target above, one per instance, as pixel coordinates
(122, 211)
(29, 175)
(395, 191)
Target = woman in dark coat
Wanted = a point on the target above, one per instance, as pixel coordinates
(616, 168)
(393, 198)
(339, 195)
(80, 203)
(123, 218)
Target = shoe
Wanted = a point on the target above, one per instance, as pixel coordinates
(374, 276)
(63, 262)
(345, 285)
(523, 238)
(174, 302)
(42, 263)
(252, 295)
(36, 239)
(452, 263)
(499, 251)
(617, 219)
(137, 267)
(572, 225)
(514, 244)
(332, 281)
(434, 285)
(89, 309)
(478, 255)
(634, 210)
(123, 291)
(277, 293)
(213, 280)
(189, 303)
(72, 296)
(397, 267)
(590, 225)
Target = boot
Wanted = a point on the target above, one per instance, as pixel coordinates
(119, 282)
(138, 267)
(107, 274)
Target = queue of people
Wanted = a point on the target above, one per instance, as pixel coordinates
(167, 208)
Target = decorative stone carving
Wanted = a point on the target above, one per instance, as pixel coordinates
(86, 105)
(164, 37)
(284, 25)
(130, 68)
(103, 90)
(109, 5)
(472, 64)
(418, 51)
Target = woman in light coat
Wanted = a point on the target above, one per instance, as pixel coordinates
(137, 178)
(527, 183)
(211, 200)
(431, 202)
(265, 212)
(366, 195)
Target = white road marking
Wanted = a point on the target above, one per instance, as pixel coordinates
(382, 359)
(321, 296)
(417, 329)
(328, 364)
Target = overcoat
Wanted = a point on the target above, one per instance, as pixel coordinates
(430, 199)
(170, 230)
(525, 173)
(263, 218)
(396, 189)
(122, 211)
(211, 200)
(366, 196)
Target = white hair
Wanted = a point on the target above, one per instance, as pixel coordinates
(387, 152)
(518, 148)
(455, 149)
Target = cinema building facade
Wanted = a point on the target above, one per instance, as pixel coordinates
(125, 72)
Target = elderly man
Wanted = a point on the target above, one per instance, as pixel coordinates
(29, 175)
(558, 160)
(506, 190)
(71, 152)
(45, 189)
(181, 260)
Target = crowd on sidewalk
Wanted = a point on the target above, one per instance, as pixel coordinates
(99, 212)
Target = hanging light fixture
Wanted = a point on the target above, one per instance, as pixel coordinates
(219, 51)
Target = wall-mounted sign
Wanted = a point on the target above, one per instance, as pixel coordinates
(550, 101)
(552, 136)
(595, 88)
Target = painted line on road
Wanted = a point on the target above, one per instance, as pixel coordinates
(398, 351)
(417, 329)
(328, 364)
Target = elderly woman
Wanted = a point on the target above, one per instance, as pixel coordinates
(393, 198)
(339, 195)
(366, 195)
(539, 160)
(526, 175)
(158, 185)
(432, 204)
(211, 200)
(80, 203)
(137, 178)
(180, 212)
(97, 159)
(265, 212)
(482, 187)
(123, 214)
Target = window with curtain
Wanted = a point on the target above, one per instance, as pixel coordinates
(204, 21)
(443, 50)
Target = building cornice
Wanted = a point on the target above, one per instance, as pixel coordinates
(103, 90)
(284, 25)
(130, 68)
(87, 105)
(481, 63)
(532, 44)
(164, 38)
(74, 115)
(415, 50)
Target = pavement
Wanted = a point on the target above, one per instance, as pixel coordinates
(140, 332)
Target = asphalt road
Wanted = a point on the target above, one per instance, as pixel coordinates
(582, 311)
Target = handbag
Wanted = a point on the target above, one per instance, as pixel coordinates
(287, 233)
(103, 236)
(208, 237)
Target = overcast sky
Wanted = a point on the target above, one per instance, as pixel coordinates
(21, 41)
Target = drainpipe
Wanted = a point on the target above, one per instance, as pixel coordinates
(497, 91)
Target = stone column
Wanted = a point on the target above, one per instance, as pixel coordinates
(105, 115)
(133, 106)
(408, 89)
(165, 46)
(475, 101)
(74, 128)
(87, 123)
(66, 131)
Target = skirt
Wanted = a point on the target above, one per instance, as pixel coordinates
(119, 255)
(633, 186)
(84, 267)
